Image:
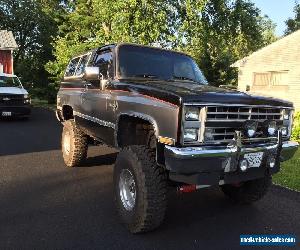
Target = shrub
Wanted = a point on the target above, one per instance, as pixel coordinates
(296, 127)
(47, 93)
(37, 92)
(51, 93)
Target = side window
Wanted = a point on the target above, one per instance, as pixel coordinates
(105, 63)
(83, 62)
(70, 71)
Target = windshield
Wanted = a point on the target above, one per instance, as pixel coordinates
(10, 81)
(141, 62)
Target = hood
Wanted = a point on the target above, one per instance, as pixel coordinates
(13, 91)
(187, 92)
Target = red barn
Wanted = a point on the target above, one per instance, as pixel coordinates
(7, 45)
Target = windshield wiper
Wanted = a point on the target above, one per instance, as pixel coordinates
(184, 78)
(146, 76)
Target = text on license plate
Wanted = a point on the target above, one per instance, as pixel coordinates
(254, 159)
(6, 113)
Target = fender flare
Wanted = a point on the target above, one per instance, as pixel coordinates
(142, 116)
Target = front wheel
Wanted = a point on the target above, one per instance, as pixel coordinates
(140, 189)
(249, 191)
(74, 144)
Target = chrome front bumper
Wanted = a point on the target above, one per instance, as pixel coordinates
(288, 150)
(220, 165)
(205, 159)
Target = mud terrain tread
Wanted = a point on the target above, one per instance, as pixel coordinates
(151, 180)
(79, 145)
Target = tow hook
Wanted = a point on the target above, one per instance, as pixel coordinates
(190, 188)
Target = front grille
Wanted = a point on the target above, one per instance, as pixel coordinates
(11, 100)
(218, 134)
(242, 113)
(222, 122)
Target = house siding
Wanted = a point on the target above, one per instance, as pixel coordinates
(6, 61)
(7, 45)
(281, 56)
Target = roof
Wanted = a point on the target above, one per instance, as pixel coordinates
(117, 45)
(150, 47)
(241, 62)
(7, 40)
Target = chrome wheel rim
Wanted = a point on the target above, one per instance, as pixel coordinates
(127, 189)
(67, 142)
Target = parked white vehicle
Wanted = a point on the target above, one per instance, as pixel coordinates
(14, 99)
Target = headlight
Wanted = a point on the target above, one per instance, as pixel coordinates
(286, 114)
(284, 131)
(192, 114)
(287, 122)
(27, 99)
(190, 134)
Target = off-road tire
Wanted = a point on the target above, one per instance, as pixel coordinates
(249, 191)
(146, 135)
(151, 189)
(78, 144)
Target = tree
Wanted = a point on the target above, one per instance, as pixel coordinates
(223, 32)
(92, 23)
(33, 29)
(293, 24)
(215, 32)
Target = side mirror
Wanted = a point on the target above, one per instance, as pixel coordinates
(92, 73)
(247, 88)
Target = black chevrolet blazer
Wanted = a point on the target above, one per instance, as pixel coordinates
(172, 129)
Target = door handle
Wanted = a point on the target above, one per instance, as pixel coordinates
(87, 85)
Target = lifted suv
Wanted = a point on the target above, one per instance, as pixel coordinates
(171, 128)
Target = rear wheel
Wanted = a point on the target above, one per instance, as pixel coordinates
(249, 191)
(140, 189)
(74, 144)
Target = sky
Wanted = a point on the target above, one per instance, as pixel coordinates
(278, 11)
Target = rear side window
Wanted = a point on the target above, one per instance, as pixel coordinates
(71, 69)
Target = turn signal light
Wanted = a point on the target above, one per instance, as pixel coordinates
(166, 140)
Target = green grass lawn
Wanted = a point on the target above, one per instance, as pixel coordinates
(289, 176)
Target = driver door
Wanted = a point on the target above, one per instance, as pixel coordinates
(95, 100)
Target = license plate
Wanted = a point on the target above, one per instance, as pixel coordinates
(6, 113)
(254, 159)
